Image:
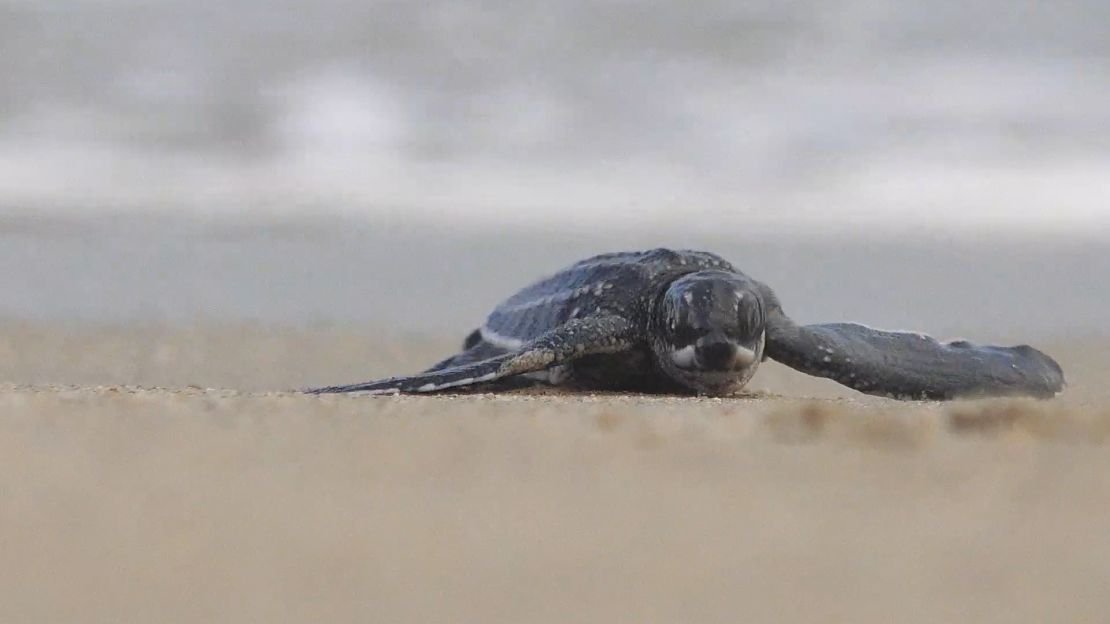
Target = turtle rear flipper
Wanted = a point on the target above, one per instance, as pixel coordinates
(569, 341)
(908, 365)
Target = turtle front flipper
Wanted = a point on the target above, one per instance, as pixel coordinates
(571, 340)
(464, 375)
(907, 365)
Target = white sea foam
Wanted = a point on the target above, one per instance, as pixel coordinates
(974, 133)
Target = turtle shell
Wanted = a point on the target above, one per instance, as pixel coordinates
(623, 283)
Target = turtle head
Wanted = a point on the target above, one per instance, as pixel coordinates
(709, 331)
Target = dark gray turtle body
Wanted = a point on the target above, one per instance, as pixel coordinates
(623, 285)
(674, 321)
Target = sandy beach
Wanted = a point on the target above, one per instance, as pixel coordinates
(162, 473)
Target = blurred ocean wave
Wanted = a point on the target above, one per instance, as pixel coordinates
(441, 280)
(784, 114)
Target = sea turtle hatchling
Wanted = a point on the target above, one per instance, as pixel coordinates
(690, 322)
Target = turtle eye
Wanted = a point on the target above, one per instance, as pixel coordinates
(750, 318)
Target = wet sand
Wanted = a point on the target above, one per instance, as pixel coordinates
(159, 474)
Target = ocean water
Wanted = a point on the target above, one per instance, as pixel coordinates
(684, 117)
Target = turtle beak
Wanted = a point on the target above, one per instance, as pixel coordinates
(721, 354)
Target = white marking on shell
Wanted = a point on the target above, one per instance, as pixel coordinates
(565, 295)
(383, 391)
(826, 359)
(688, 297)
(429, 387)
(498, 340)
